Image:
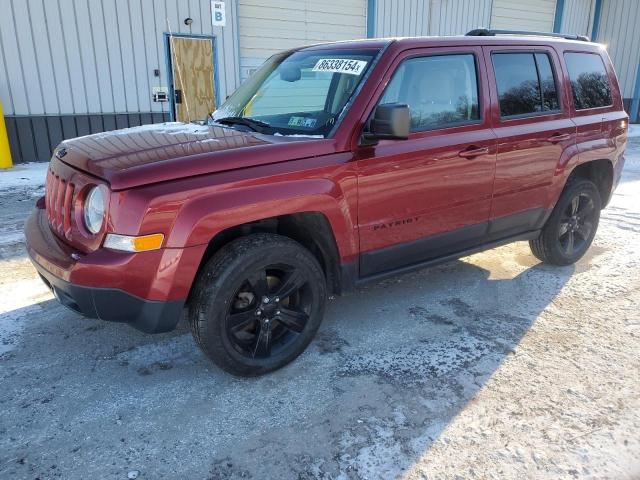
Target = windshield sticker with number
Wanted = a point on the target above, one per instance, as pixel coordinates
(303, 122)
(340, 65)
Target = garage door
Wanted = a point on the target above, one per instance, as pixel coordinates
(269, 27)
(535, 15)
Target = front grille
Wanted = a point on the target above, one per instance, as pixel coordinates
(59, 204)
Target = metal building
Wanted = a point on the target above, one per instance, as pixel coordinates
(74, 67)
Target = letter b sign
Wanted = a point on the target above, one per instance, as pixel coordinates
(218, 16)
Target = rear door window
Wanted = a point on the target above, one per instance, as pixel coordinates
(589, 80)
(526, 84)
(440, 90)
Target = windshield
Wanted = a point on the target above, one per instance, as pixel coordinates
(302, 93)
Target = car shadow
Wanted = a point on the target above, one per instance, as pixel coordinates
(392, 365)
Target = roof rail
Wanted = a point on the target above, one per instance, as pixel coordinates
(485, 32)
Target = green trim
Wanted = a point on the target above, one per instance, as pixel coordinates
(371, 18)
(557, 21)
(596, 20)
(634, 111)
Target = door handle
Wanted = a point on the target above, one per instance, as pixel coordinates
(559, 137)
(473, 152)
(178, 96)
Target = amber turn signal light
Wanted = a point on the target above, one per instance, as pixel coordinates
(127, 243)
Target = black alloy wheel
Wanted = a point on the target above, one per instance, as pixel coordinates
(577, 223)
(269, 311)
(572, 225)
(257, 303)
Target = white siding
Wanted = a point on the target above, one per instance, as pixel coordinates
(102, 61)
(270, 27)
(534, 15)
(457, 17)
(410, 18)
(577, 17)
(619, 22)
(402, 18)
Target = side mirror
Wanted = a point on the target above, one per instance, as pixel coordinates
(390, 121)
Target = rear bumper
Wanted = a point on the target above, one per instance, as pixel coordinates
(617, 172)
(96, 284)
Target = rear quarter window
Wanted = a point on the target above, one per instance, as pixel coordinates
(589, 80)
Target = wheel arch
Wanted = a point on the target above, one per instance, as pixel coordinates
(600, 172)
(311, 229)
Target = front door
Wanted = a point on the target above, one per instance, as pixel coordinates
(429, 195)
(193, 77)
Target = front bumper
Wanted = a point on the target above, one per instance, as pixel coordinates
(114, 305)
(58, 265)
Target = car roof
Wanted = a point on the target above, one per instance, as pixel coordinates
(459, 40)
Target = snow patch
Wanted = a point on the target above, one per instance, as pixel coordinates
(19, 301)
(168, 128)
(413, 365)
(24, 175)
(297, 135)
(11, 238)
(634, 130)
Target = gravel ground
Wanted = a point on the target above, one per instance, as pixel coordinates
(493, 366)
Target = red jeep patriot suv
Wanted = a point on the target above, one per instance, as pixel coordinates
(333, 165)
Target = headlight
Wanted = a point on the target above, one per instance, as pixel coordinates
(94, 210)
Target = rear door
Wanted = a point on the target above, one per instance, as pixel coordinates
(532, 121)
(428, 195)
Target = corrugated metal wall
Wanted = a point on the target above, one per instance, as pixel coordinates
(402, 18)
(65, 64)
(577, 17)
(456, 17)
(430, 17)
(270, 27)
(534, 15)
(73, 67)
(88, 56)
(619, 24)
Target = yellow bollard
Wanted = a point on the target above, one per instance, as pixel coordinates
(5, 152)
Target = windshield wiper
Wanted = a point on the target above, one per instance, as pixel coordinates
(255, 125)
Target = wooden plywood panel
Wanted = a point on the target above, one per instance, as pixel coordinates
(193, 76)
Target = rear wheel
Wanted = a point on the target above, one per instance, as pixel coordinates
(257, 304)
(570, 229)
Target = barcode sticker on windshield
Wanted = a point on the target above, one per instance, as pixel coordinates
(340, 65)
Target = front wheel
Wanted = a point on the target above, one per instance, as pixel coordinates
(257, 304)
(570, 229)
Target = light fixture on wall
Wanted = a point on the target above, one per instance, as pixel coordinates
(188, 21)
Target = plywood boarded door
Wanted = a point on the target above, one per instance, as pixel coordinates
(192, 61)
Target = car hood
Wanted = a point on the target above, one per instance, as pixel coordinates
(161, 152)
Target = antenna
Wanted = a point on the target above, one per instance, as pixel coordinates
(177, 65)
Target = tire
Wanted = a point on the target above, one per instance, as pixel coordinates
(571, 227)
(257, 304)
